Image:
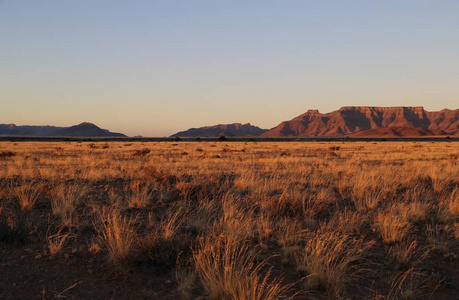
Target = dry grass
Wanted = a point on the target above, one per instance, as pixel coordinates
(27, 195)
(392, 226)
(118, 235)
(408, 253)
(451, 203)
(171, 224)
(186, 279)
(138, 195)
(229, 270)
(327, 259)
(405, 285)
(56, 241)
(64, 200)
(441, 239)
(346, 221)
(243, 214)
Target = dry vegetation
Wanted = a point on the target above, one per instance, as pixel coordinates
(229, 220)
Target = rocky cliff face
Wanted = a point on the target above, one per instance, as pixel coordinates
(446, 120)
(236, 129)
(370, 121)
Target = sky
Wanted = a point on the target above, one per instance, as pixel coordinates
(153, 68)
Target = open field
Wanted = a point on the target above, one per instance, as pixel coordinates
(229, 220)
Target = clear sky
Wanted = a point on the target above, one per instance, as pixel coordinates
(157, 67)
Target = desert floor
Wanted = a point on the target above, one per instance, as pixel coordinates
(229, 220)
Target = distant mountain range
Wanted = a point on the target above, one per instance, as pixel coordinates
(236, 129)
(82, 130)
(348, 121)
(364, 121)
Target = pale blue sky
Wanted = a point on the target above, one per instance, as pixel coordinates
(157, 67)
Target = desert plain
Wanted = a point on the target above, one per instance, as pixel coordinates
(229, 220)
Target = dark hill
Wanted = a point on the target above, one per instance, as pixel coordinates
(86, 130)
(236, 129)
(81, 130)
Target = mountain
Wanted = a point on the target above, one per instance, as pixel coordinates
(398, 131)
(81, 130)
(87, 130)
(236, 129)
(370, 121)
(26, 130)
(446, 120)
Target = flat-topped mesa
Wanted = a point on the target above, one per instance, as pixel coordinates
(374, 120)
(226, 126)
(416, 115)
(416, 109)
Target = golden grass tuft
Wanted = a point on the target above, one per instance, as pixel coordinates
(229, 270)
(451, 203)
(408, 253)
(117, 234)
(56, 241)
(441, 239)
(64, 200)
(327, 261)
(27, 195)
(392, 226)
(138, 195)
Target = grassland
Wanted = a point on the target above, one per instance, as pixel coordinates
(229, 220)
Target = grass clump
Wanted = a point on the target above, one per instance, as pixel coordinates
(64, 200)
(327, 261)
(229, 270)
(392, 227)
(56, 241)
(27, 195)
(117, 234)
(138, 195)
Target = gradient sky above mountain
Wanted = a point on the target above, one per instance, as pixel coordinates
(156, 67)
